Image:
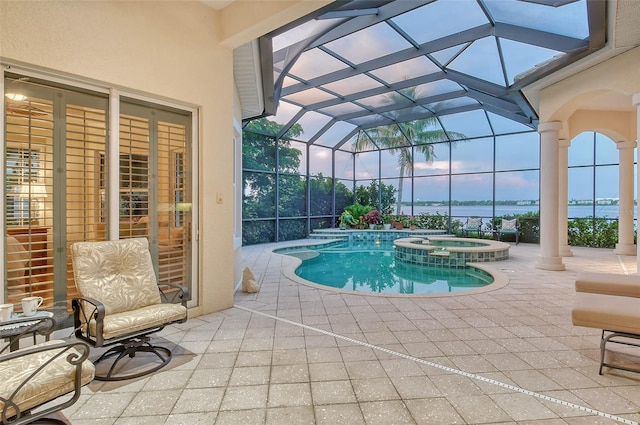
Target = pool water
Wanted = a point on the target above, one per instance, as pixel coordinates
(371, 267)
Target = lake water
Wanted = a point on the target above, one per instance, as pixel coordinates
(575, 211)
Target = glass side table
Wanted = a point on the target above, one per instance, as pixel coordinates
(20, 326)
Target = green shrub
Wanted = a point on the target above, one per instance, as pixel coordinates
(292, 229)
(435, 221)
(254, 232)
(529, 227)
(593, 232)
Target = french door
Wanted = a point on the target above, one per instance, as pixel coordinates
(60, 174)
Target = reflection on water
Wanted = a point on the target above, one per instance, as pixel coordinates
(372, 268)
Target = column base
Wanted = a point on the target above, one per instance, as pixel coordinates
(549, 263)
(625, 249)
(565, 251)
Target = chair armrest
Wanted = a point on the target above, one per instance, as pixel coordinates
(86, 309)
(82, 347)
(41, 325)
(173, 293)
(39, 367)
(608, 284)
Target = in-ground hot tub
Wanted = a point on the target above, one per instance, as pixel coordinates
(449, 252)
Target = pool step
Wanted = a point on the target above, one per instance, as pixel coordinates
(304, 254)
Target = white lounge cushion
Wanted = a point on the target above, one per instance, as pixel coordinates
(608, 312)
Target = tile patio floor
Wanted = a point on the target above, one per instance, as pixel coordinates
(293, 354)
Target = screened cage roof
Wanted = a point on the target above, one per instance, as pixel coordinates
(460, 64)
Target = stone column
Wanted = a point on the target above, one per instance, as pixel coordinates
(625, 245)
(549, 258)
(563, 198)
(635, 101)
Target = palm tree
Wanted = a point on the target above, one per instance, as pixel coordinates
(405, 139)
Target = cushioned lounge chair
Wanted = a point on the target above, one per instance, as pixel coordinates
(509, 227)
(121, 303)
(473, 225)
(610, 302)
(35, 378)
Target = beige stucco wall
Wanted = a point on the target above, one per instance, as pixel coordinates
(164, 49)
(179, 50)
(565, 100)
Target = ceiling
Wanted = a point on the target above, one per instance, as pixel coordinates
(366, 64)
(217, 4)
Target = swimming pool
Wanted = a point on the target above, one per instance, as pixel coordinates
(371, 267)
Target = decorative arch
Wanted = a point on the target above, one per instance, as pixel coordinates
(617, 125)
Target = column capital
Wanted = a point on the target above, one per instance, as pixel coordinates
(635, 99)
(543, 127)
(626, 145)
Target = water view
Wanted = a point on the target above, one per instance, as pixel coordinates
(575, 211)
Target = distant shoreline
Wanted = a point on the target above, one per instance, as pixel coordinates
(458, 211)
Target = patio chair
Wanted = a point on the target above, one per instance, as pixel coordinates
(509, 227)
(610, 302)
(473, 225)
(35, 379)
(121, 303)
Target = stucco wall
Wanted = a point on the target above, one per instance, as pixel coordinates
(166, 49)
(179, 50)
(565, 100)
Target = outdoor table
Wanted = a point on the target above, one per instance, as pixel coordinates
(58, 314)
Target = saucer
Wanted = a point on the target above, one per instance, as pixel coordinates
(22, 316)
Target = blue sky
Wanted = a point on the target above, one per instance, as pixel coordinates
(515, 156)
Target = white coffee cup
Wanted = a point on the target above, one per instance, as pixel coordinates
(6, 310)
(30, 305)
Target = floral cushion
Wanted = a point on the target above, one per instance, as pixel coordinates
(148, 317)
(54, 380)
(509, 225)
(117, 273)
(120, 275)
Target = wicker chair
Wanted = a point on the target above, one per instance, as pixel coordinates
(35, 378)
(121, 303)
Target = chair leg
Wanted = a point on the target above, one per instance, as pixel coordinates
(130, 349)
(603, 342)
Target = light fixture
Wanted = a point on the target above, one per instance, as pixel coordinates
(16, 96)
(35, 193)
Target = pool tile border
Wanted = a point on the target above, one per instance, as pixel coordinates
(500, 279)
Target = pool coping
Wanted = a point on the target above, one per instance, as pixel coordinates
(500, 279)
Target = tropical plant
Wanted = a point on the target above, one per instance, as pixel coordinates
(347, 220)
(357, 210)
(405, 139)
(372, 217)
(381, 195)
